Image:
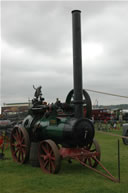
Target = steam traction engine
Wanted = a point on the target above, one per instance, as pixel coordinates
(61, 129)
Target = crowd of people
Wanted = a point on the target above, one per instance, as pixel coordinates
(109, 124)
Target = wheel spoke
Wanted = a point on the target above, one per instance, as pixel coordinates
(52, 158)
(22, 139)
(23, 145)
(51, 152)
(15, 152)
(90, 162)
(15, 137)
(52, 164)
(20, 134)
(17, 134)
(45, 163)
(18, 156)
(24, 151)
(48, 148)
(93, 150)
(44, 149)
(44, 157)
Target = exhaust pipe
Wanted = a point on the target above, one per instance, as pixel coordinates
(77, 63)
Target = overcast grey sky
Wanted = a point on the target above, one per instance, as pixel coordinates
(37, 49)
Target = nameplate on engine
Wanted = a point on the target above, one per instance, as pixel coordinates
(53, 122)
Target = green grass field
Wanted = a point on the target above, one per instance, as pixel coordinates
(72, 178)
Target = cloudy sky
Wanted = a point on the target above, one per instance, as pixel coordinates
(36, 50)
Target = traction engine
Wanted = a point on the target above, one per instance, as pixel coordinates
(61, 130)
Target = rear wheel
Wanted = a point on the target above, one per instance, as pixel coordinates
(20, 145)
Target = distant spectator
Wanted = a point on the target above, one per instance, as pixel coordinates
(114, 126)
(112, 120)
(105, 121)
(93, 119)
(120, 118)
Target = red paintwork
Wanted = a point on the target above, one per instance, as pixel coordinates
(80, 153)
(85, 157)
(1, 140)
(4, 142)
(101, 114)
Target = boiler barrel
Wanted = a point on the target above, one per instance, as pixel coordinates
(71, 132)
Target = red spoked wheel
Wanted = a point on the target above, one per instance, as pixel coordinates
(93, 148)
(49, 157)
(19, 144)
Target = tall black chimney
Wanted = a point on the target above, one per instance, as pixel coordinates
(77, 63)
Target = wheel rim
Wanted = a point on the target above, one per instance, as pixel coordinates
(94, 147)
(20, 145)
(49, 157)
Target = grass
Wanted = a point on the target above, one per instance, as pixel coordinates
(72, 178)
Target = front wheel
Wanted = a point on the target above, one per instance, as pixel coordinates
(49, 156)
(94, 147)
